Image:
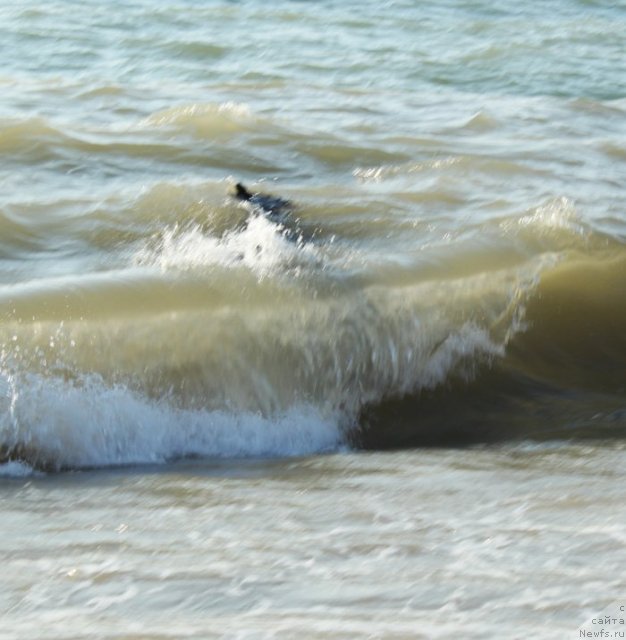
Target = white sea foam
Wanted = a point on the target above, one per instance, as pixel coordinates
(57, 424)
(260, 246)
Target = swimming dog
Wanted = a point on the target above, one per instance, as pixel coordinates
(271, 206)
(274, 208)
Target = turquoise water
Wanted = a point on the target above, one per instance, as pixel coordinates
(450, 272)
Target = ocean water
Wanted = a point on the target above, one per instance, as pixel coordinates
(395, 410)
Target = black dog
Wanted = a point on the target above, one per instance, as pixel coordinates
(276, 209)
(269, 205)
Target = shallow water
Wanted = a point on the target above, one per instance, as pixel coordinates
(345, 546)
(237, 407)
